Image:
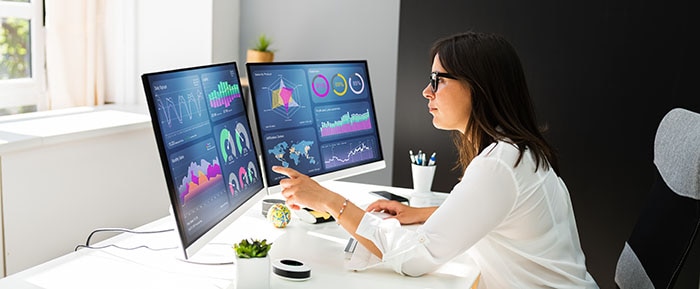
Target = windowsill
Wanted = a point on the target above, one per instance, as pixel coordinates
(20, 132)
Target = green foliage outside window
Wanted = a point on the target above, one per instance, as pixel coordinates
(15, 49)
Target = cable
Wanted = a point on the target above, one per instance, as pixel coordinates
(87, 242)
(123, 248)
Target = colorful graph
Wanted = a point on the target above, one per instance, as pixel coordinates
(223, 95)
(227, 145)
(199, 178)
(347, 123)
(340, 84)
(252, 173)
(283, 96)
(319, 84)
(233, 139)
(244, 177)
(234, 186)
(344, 153)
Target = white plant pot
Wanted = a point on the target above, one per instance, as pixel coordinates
(253, 273)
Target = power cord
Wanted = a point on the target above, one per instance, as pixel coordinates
(122, 230)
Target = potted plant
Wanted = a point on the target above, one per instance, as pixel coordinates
(252, 264)
(261, 51)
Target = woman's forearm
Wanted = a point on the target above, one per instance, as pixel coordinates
(350, 219)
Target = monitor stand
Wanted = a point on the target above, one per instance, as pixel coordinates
(213, 254)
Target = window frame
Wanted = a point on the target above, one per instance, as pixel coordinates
(27, 91)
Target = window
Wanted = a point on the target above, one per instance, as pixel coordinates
(22, 72)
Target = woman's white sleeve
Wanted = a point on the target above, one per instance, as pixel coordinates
(475, 207)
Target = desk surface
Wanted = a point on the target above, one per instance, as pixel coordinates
(318, 245)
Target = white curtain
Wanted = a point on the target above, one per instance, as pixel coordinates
(75, 53)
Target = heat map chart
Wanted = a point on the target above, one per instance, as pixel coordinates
(350, 152)
(222, 91)
(182, 109)
(347, 120)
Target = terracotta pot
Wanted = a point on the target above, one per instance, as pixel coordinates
(259, 56)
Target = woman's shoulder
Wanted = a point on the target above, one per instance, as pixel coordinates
(500, 149)
(507, 153)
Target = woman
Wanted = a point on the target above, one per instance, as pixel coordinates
(520, 227)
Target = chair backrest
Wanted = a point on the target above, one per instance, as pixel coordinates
(663, 235)
(677, 152)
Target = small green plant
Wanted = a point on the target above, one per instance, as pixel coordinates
(252, 249)
(263, 44)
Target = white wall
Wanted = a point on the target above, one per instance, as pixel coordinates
(335, 29)
(171, 34)
(64, 175)
(153, 35)
(226, 31)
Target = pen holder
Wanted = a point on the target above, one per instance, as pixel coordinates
(422, 180)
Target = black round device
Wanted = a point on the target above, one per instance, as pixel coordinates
(291, 269)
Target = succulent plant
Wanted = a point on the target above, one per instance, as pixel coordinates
(252, 249)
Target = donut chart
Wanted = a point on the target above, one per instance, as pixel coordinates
(357, 84)
(339, 82)
(320, 85)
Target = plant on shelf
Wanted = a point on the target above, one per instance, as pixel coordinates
(252, 249)
(261, 52)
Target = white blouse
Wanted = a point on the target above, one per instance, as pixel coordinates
(517, 223)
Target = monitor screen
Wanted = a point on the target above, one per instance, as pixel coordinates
(206, 148)
(315, 117)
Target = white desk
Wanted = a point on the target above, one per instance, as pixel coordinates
(318, 245)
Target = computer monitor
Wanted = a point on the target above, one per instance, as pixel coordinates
(206, 149)
(316, 117)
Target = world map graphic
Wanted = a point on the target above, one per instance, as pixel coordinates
(296, 152)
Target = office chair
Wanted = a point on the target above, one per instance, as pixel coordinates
(663, 235)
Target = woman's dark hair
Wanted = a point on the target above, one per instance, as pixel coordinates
(501, 105)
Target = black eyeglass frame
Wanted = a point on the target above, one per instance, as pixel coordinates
(435, 78)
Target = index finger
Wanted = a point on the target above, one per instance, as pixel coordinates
(292, 173)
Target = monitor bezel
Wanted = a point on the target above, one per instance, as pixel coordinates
(188, 251)
(328, 176)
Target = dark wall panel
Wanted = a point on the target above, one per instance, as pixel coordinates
(602, 74)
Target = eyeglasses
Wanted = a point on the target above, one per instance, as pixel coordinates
(435, 79)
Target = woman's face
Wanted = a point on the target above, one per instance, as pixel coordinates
(451, 103)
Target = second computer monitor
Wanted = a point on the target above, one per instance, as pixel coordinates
(315, 117)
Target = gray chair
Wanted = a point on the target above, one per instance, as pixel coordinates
(664, 233)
